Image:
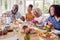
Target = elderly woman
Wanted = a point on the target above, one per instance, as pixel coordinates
(38, 15)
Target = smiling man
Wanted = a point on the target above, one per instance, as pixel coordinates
(14, 14)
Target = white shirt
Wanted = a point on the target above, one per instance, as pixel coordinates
(39, 19)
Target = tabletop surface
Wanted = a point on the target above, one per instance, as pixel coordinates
(20, 36)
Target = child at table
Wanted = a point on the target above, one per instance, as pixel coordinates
(29, 15)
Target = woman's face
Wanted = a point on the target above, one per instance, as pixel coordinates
(52, 11)
(36, 14)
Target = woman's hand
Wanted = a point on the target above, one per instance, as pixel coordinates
(50, 25)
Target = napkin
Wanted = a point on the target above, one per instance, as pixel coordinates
(55, 31)
(11, 38)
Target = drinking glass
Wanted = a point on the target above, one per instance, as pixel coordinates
(2, 27)
(16, 30)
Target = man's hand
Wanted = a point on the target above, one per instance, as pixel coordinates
(22, 18)
(13, 16)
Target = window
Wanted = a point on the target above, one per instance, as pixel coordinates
(0, 2)
(42, 4)
(28, 2)
(39, 4)
(57, 2)
(47, 4)
(5, 4)
(0, 6)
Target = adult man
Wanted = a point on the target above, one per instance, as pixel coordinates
(14, 14)
(29, 16)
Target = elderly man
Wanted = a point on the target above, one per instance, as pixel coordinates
(14, 14)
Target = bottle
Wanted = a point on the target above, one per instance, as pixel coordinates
(48, 29)
(27, 36)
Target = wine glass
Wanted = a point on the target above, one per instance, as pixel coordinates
(2, 27)
(16, 30)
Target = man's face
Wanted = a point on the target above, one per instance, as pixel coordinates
(15, 9)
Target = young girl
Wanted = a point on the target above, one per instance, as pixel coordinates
(55, 20)
(29, 16)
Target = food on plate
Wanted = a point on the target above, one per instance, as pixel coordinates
(29, 29)
(42, 34)
(4, 32)
(48, 34)
(10, 29)
(16, 22)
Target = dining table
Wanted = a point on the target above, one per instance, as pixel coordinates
(20, 35)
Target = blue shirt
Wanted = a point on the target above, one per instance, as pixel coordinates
(55, 23)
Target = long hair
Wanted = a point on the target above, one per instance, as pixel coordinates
(54, 9)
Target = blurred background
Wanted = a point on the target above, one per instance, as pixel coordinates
(23, 4)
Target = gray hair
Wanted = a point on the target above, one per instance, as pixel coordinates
(38, 10)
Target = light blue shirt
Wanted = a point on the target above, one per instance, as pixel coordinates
(17, 15)
(10, 18)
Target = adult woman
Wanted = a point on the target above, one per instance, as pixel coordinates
(52, 10)
(55, 21)
(38, 15)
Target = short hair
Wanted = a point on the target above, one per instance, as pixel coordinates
(31, 5)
